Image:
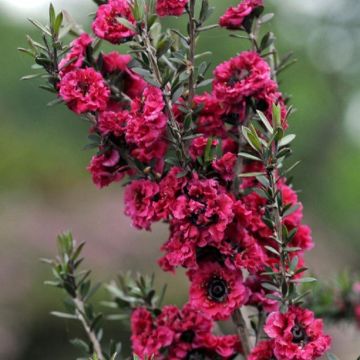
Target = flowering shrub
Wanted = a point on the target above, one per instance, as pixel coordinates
(211, 165)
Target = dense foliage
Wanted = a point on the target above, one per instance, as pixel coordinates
(212, 165)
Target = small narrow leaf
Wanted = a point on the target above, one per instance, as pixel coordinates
(64, 315)
(286, 140)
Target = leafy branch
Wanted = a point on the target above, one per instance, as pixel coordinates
(79, 290)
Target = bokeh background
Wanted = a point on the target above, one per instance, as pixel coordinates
(45, 189)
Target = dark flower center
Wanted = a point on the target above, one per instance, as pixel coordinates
(231, 118)
(217, 289)
(262, 105)
(238, 76)
(156, 197)
(209, 253)
(299, 334)
(84, 87)
(187, 336)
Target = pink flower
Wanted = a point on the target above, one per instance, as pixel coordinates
(117, 65)
(234, 17)
(147, 122)
(241, 76)
(297, 335)
(107, 168)
(179, 334)
(170, 7)
(107, 27)
(203, 213)
(209, 120)
(179, 251)
(216, 290)
(147, 340)
(262, 351)
(84, 90)
(152, 154)
(243, 251)
(225, 166)
(170, 187)
(75, 57)
(139, 202)
(111, 122)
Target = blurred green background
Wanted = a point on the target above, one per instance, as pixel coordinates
(45, 188)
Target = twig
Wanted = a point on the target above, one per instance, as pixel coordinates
(80, 310)
(192, 43)
(242, 331)
(174, 126)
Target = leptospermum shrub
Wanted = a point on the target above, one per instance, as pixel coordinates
(210, 164)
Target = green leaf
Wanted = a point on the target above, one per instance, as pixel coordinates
(265, 121)
(29, 77)
(204, 83)
(251, 138)
(249, 156)
(276, 112)
(58, 23)
(27, 52)
(207, 153)
(294, 263)
(272, 250)
(250, 174)
(64, 315)
(81, 345)
(269, 286)
(286, 140)
(267, 40)
(304, 280)
(52, 15)
(290, 210)
(126, 23)
(117, 317)
(41, 27)
(266, 18)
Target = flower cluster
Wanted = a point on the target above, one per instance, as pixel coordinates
(235, 223)
(180, 334)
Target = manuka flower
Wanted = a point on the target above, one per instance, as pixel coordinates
(241, 76)
(225, 166)
(208, 120)
(75, 57)
(84, 90)
(107, 168)
(203, 212)
(179, 334)
(106, 25)
(264, 350)
(170, 7)
(115, 66)
(235, 17)
(147, 122)
(112, 122)
(297, 335)
(216, 290)
(147, 338)
(139, 202)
